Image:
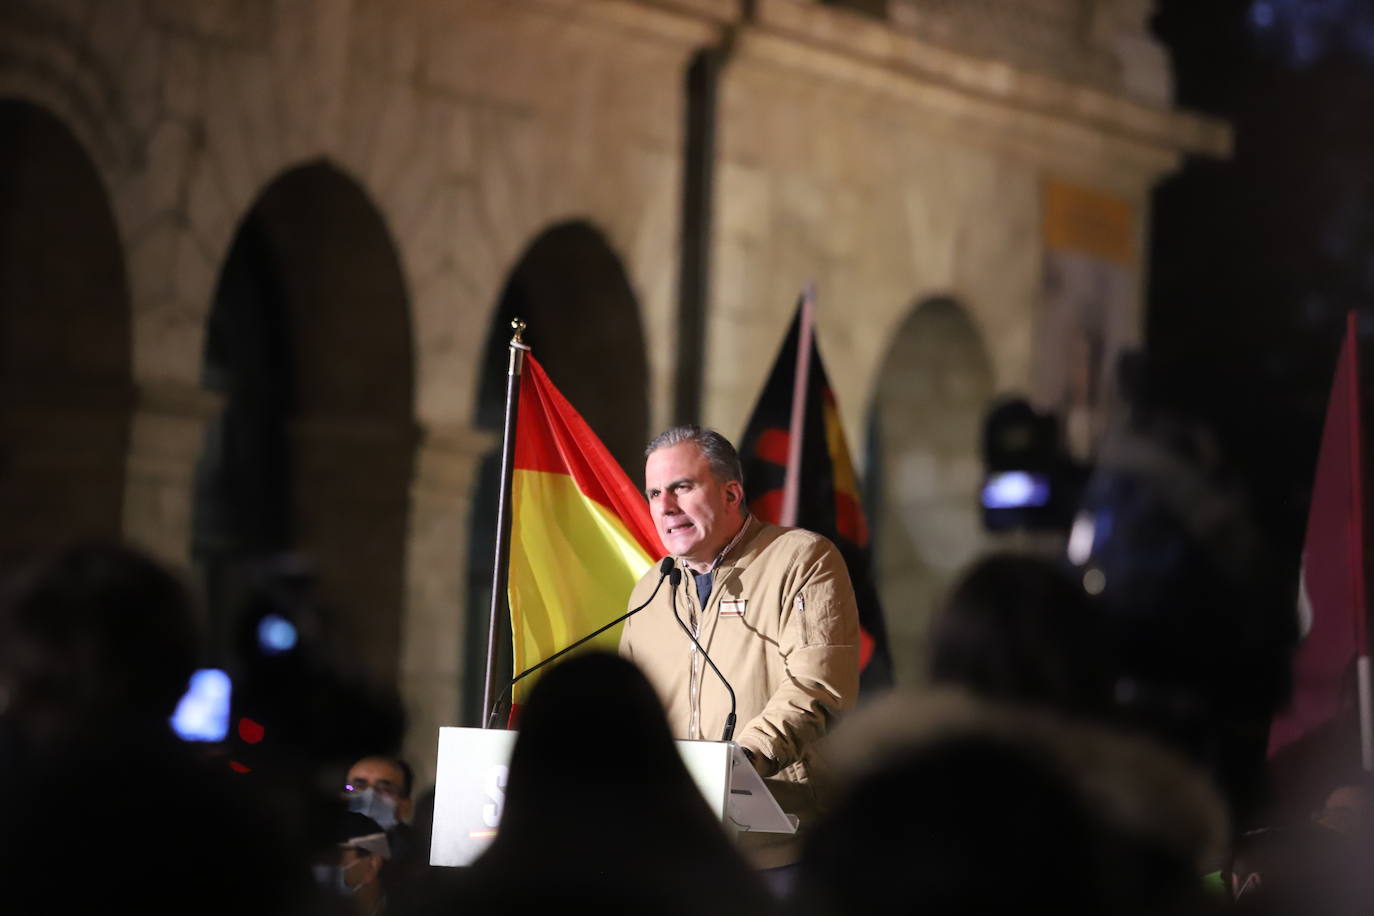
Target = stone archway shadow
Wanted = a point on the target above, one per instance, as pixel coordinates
(310, 345)
(66, 389)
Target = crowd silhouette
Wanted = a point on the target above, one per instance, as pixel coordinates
(1086, 745)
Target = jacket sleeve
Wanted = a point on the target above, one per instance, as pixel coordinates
(819, 648)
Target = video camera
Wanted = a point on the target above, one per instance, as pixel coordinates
(1029, 481)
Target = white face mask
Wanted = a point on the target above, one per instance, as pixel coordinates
(332, 878)
(371, 803)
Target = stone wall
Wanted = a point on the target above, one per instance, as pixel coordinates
(890, 161)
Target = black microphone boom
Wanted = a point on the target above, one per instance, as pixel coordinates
(674, 580)
(664, 567)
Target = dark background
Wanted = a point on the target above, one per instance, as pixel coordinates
(1256, 260)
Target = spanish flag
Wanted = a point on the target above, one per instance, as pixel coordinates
(581, 535)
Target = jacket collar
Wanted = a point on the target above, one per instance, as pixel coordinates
(739, 544)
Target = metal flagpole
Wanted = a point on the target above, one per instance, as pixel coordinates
(501, 568)
(1362, 668)
(796, 427)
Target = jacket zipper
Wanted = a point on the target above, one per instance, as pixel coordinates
(694, 682)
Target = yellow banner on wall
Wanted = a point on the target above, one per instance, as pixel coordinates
(1090, 222)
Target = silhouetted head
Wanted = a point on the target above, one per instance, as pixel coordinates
(600, 809)
(578, 711)
(96, 633)
(1018, 628)
(955, 804)
(1198, 609)
(965, 825)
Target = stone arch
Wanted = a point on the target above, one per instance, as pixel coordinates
(571, 288)
(925, 469)
(309, 344)
(55, 61)
(65, 339)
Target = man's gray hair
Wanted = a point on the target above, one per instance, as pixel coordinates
(720, 454)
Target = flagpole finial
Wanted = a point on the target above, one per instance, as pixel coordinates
(518, 326)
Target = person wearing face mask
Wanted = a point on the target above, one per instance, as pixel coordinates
(380, 787)
(352, 868)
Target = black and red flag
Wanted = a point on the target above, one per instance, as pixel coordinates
(797, 473)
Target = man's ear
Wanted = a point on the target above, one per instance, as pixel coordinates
(404, 806)
(734, 493)
(372, 866)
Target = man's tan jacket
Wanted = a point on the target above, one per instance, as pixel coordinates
(782, 625)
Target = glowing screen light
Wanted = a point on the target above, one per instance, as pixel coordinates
(203, 712)
(1016, 490)
(276, 634)
(1081, 538)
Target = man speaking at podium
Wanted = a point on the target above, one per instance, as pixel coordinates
(772, 607)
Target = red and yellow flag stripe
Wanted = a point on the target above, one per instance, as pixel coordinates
(581, 534)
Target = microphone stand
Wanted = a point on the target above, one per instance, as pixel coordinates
(674, 580)
(664, 567)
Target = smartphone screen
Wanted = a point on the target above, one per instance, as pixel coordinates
(1016, 490)
(203, 712)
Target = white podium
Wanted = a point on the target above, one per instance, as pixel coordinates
(470, 790)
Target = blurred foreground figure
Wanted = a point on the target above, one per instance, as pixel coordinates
(600, 813)
(1318, 868)
(96, 645)
(98, 640)
(1198, 613)
(956, 805)
(320, 712)
(1019, 629)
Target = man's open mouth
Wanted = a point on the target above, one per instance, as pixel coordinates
(674, 529)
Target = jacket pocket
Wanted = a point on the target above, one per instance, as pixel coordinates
(803, 621)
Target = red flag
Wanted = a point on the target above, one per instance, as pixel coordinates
(1331, 601)
(581, 535)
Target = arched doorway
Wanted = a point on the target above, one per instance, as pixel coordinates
(925, 470)
(65, 340)
(585, 330)
(308, 466)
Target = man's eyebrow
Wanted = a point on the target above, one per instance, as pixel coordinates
(650, 491)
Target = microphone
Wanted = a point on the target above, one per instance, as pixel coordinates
(664, 567)
(674, 580)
